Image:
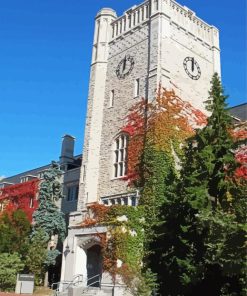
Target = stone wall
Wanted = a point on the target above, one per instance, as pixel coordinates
(158, 35)
(135, 45)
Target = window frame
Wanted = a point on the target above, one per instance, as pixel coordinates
(120, 156)
(72, 192)
(137, 88)
(111, 98)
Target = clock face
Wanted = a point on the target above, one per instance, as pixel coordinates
(192, 68)
(125, 66)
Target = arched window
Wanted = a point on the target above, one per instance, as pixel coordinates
(120, 156)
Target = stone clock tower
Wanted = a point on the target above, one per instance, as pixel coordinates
(158, 41)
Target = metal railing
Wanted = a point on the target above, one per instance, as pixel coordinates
(90, 285)
(65, 285)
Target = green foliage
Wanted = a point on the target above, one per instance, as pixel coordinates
(128, 235)
(177, 249)
(212, 150)
(47, 216)
(144, 284)
(48, 221)
(14, 232)
(37, 255)
(219, 199)
(225, 242)
(199, 243)
(157, 173)
(11, 264)
(51, 257)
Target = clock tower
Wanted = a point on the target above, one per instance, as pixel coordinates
(158, 41)
(155, 42)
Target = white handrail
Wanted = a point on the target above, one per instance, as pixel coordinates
(77, 279)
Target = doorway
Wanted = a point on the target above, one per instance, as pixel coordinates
(94, 266)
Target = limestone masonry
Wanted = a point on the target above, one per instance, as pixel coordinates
(158, 41)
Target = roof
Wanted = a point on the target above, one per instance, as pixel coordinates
(36, 171)
(239, 112)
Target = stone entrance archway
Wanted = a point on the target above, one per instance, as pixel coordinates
(94, 265)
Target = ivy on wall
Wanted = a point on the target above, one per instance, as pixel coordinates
(157, 133)
(20, 196)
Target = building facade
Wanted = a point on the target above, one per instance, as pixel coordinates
(158, 42)
(70, 165)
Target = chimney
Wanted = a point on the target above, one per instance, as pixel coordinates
(67, 151)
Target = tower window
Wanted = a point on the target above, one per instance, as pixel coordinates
(137, 87)
(156, 4)
(112, 95)
(120, 156)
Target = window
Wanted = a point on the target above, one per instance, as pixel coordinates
(120, 156)
(24, 179)
(133, 201)
(137, 87)
(111, 101)
(105, 202)
(72, 193)
(156, 4)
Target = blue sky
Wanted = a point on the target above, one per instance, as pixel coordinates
(45, 55)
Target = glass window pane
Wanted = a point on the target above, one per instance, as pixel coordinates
(121, 169)
(121, 155)
(122, 142)
(133, 201)
(116, 156)
(115, 170)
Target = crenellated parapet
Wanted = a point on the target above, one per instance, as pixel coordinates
(180, 16)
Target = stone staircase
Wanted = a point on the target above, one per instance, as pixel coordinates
(77, 287)
(90, 291)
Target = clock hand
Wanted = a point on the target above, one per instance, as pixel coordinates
(192, 64)
(124, 63)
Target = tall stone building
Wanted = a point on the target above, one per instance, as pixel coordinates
(156, 42)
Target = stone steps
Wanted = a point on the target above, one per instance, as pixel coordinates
(96, 292)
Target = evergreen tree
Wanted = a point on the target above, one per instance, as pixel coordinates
(209, 186)
(200, 242)
(48, 216)
(36, 255)
(210, 156)
(49, 223)
(11, 264)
